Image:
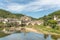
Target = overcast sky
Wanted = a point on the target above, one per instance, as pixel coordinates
(34, 8)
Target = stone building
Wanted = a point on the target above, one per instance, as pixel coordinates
(57, 19)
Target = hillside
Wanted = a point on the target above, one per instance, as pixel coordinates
(56, 13)
(50, 16)
(7, 14)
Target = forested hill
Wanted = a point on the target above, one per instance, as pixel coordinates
(56, 13)
(7, 14)
(51, 15)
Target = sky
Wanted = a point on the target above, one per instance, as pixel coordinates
(33, 8)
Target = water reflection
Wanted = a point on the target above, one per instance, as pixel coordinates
(55, 37)
(52, 37)
(45, 36)
(27, 36)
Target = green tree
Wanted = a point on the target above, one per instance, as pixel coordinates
(52, 23)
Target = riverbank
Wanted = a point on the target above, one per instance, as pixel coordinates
(53, 35)
(38, 29)
(2, 34)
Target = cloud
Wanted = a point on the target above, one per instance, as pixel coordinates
(20, 1)
(15, 7)
(33, 6)
(41, 5)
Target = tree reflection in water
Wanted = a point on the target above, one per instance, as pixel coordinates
(29, 36)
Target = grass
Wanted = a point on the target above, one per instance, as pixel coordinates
(3, 34)
(44, 28)
(1, 29)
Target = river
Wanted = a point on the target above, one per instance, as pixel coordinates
(27, 36)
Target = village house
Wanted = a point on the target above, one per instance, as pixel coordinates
(10, 20)
(57, 19)
(23, 20)
(29, 21)
(36, 22)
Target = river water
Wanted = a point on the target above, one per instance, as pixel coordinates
(27, 36)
